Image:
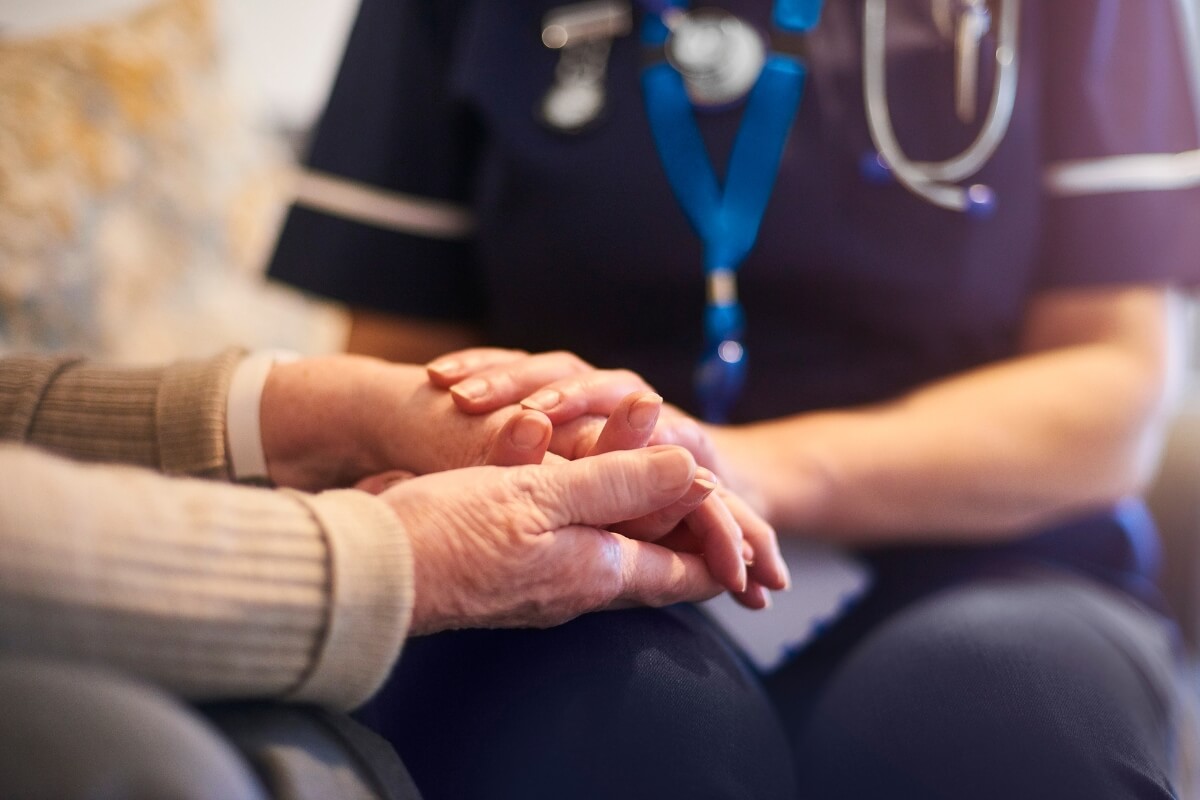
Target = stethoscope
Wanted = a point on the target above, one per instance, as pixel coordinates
(939, 181)
(706, 59)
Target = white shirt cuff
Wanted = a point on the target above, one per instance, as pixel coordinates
(243, 429)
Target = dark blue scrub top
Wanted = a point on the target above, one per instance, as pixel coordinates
(855, 292)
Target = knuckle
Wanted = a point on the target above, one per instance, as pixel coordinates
(570, 360)
(628, 376)
(592, 580)
(477, 356)
(608, 571)
(525, 500)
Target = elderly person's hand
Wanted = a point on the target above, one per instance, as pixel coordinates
(582, 403)
(527, 546)
(697, 522)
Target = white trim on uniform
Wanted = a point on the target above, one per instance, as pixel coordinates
(385, 209)
(1148, 172)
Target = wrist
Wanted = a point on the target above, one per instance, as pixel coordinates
(324, 421)
(737, 465)
(380, 414)
(781, 480)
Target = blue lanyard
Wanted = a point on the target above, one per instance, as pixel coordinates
(727, 221)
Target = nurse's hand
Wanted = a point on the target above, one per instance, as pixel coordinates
(528, 546)
(576, 396)
(579, 399)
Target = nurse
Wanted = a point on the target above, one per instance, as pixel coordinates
(972, 402)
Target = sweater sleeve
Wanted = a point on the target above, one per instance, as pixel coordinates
(210, 590)
(171, 419)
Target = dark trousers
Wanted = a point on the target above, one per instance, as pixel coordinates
(623, 704)
(70, 732)
(1019, 681)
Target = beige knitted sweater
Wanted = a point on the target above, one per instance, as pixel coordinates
(209, 589)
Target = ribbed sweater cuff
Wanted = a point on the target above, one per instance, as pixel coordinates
(370, 598)
(171, 419)
(190, 416)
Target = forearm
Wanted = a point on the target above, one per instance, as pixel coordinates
(985, 454)
(992, 453)
(171, 419)
(210, 590)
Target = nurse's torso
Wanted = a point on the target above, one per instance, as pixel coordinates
(854, 291)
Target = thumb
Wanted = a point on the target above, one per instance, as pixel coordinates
(523, 440)
(612, 487)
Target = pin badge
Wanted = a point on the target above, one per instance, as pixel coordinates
(582, 33)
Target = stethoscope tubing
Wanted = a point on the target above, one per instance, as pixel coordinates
(936, 181)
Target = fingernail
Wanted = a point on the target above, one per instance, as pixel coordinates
(644, 412)
(671, 469)
(527, 432)
(747, 552)
(697, 493)
(543, 400)
(743, 577)
(472, 389)
(447, 366)
(787, 576)
(707, 475)
(767, 601)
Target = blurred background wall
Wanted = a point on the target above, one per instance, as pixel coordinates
(279, 54)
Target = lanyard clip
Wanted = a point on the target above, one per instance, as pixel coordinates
(721, 373)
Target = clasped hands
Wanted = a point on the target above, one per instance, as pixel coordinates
(537, 512)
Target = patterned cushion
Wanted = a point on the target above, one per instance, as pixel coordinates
(137, 204)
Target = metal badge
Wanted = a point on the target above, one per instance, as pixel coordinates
(718, 55)
(583, 35)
